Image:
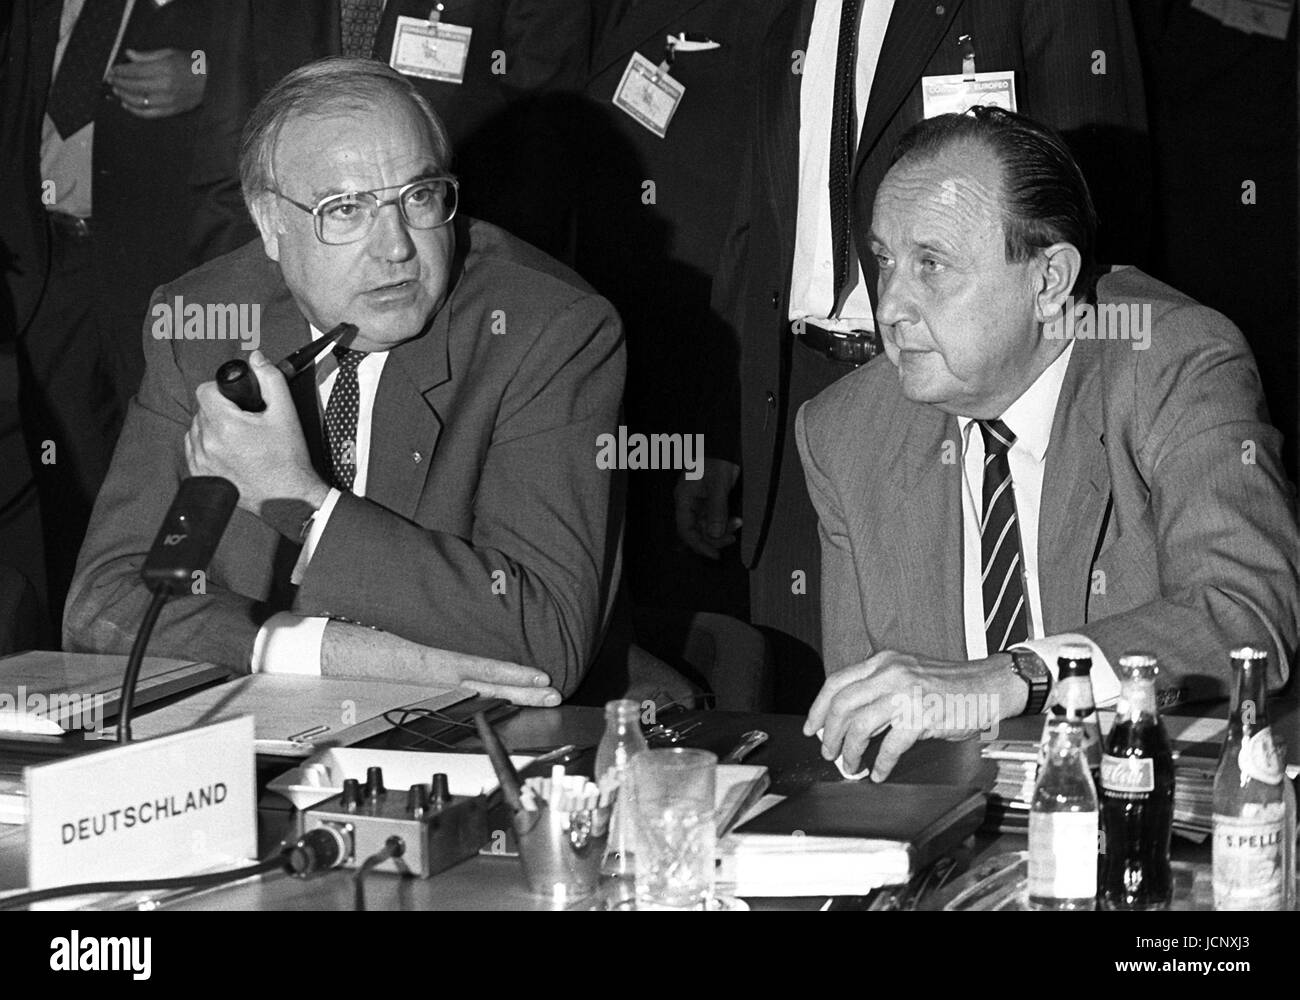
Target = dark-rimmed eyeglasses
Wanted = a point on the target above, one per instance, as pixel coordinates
(429, 203)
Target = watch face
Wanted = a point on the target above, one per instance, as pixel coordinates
(1029, 666)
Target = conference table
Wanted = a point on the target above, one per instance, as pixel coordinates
(488, 882)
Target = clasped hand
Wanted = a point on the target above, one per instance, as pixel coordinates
(263, 454)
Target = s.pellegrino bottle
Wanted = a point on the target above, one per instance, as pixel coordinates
(1137, 796)
(1072, 697)
(1253, 850)
(1063, 824)
(622, 741)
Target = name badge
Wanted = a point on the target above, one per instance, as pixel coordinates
(649, 94)
(958, 93)
(432, 50)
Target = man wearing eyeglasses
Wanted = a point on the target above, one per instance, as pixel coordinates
(428, 505)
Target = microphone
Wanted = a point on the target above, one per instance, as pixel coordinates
(184, 546)
(189, 534)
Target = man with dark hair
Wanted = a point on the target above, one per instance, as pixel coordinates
(1044, 469)
(839, 82)
(425, 505)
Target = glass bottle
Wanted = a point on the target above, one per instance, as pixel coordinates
(1063, 824)
(1072, 696)
(1137, 796)
(622, 741)
(1253, 849)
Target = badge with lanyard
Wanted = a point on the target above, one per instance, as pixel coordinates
(648, 92)
(958, 93)
(431, 48)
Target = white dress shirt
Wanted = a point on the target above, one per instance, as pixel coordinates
(289, 643)
(812, 283)
(1030, 419)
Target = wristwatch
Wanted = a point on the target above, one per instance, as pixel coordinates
(1030, 668)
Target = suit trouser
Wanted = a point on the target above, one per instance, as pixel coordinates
(785, 581)
(68, 406)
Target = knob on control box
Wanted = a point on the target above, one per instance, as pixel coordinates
(439, 829)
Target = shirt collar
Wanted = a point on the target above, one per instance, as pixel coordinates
(1030, 417)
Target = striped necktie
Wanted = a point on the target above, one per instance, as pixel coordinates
(341, 418)
(1006, 617)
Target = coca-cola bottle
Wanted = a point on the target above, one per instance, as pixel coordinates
(1254, 803)
(1137, 796)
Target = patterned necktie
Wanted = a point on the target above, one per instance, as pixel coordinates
(358, 26)
(1006, 618)
(843, 134)
(341, 418)
(77, 85)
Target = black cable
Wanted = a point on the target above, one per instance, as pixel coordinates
(126, 703)
(145, 885)
(393, 848)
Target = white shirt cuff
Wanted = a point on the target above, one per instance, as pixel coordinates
(318, 522)
(289, 644)
(1105, 683)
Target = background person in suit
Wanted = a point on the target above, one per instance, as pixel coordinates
(1075, 68)
(650, 214)
(1027, 487)
(453, 501)
(96, 132)
(508, 152)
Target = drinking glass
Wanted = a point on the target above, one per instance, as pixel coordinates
(672, 796)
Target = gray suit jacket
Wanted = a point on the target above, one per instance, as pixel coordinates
(482, 460)
(1166, 522)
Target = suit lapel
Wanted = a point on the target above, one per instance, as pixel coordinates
(915, 31)
(642, 22)
(1076, 489)
(926, 490)
(405, 424)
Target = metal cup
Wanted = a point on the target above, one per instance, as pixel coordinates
(561, 851)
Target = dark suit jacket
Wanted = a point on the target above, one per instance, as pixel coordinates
(655, 260)
(483, 459)
(543, 46)
(1049, 45)
(141, 168)
(1166, 523)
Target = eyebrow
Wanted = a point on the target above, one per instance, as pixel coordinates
(931, 245)
(424, 174)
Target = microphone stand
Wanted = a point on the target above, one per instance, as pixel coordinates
(126, 701)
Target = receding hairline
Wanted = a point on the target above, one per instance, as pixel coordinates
(344, 107)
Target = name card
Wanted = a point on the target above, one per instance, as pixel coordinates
(154, 809)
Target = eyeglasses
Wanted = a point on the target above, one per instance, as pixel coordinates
(346, 218)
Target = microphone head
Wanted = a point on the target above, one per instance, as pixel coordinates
(189, 534)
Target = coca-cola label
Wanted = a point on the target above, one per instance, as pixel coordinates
(1133, 775)
(1248, 861)
(1259, 758)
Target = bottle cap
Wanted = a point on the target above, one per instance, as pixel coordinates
(1138, 663)
(1248, 653)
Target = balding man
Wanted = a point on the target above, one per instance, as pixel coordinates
(432, 492)
(1052, 458)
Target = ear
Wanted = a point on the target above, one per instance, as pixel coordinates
(1061, 266)
(265, 211)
